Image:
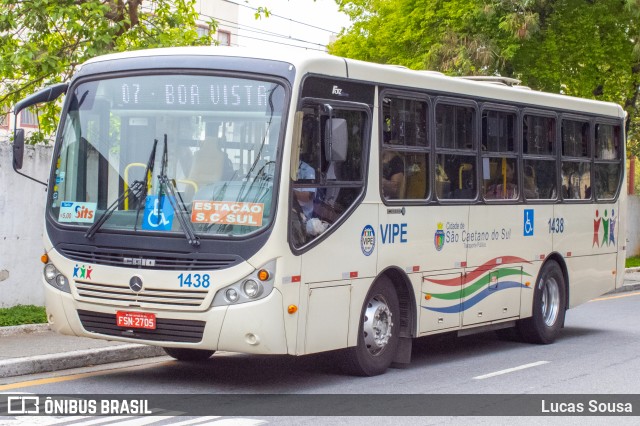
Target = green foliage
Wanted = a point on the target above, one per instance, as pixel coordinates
(582, 48)
(632, 262)
(22, 314)
(42, 42)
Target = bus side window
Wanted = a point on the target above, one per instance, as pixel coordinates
(330, 176)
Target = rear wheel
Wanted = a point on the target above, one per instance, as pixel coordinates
(185, 354)
(377, 333)
(549, 301)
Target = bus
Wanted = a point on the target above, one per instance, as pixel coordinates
(285, 202)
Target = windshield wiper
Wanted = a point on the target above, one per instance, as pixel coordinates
(181, 210)
(139, 189)
(241, 192)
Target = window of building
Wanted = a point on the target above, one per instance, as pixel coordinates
(202, 30)
(4, 121)
(224, 38)
(28, 118)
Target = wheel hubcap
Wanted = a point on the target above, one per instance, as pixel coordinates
(550, 301)
(377, 325)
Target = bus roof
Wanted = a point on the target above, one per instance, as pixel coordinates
(317, 62)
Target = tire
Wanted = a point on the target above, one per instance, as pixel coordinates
(184, 354)
(549, 302)
(377, 333)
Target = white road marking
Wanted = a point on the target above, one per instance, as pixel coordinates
(197, 421)
(103, 420)
(511, 370)
(139, 420)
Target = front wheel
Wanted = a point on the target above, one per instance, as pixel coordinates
(185, 354)
(549, 301)
(377, 333)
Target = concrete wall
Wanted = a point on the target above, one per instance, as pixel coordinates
(22, 204)
(633, 225)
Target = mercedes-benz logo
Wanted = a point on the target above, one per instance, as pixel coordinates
(135, 284)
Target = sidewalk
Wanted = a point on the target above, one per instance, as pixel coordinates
(32, 349)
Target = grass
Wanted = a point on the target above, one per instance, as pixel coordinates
(632, 262)
(22, 314)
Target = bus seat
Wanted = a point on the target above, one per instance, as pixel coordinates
(417, 180)
(402, 189)
(530, 182)
(187, 188)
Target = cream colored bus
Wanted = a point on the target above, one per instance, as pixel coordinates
(218, 199)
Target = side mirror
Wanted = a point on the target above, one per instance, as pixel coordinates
(18, 148)
(337, 139)
(47, 94)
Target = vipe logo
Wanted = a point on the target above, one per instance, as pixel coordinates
(23, 405)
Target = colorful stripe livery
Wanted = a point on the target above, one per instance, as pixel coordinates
(478, 284)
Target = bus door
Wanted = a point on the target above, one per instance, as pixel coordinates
(328, 227)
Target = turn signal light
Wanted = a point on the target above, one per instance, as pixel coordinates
(427, 297)
(292, 309)
(44, 258)
(263, 275)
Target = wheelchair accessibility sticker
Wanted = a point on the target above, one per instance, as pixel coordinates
(528, 223)
(157, 217)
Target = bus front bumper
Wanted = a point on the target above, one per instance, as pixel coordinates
(254, 327)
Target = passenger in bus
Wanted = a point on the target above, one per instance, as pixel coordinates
(530, 185)
(305, 196)
(306, 199)
(506, 188)
(210, 163)
(392, 175)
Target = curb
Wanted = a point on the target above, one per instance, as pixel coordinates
(635, 286)
(23, 329)
(76, 359)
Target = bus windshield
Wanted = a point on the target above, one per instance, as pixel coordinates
(166, 152)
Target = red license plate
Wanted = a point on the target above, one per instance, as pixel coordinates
(136, 320)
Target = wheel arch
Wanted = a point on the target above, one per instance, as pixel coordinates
(406, 297)
(559, 259)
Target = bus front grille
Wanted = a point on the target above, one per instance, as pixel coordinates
(118, 294)
(167, 330)
(148, 259)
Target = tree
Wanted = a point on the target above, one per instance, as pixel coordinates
(42, 42)
(585, 48)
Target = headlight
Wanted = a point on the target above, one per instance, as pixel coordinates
(61, 280)
(251, 289)
(254, 286)
(50, 272)
(56, 278)
(232, 295)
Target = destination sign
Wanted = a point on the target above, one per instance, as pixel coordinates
(188, 92)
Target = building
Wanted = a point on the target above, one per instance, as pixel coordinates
(226, 13)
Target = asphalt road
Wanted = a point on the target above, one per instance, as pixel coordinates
(597, 353)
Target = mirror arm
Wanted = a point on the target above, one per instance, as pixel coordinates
(329, 109)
